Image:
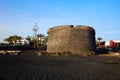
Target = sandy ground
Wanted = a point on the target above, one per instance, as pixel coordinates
(59, 68)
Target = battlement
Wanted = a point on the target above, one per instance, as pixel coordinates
(78, 27)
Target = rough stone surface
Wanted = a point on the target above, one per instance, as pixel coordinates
(78, 40)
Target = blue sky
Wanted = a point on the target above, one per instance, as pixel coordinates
(17, 17)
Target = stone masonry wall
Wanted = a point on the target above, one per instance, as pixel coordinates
(78, 40)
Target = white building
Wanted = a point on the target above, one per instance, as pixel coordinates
(24, 42)
(3, 43)
(107, 43)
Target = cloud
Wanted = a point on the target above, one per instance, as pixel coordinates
(112, 32)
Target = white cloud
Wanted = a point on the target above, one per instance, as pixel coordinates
(112, 32)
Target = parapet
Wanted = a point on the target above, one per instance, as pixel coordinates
(79, 27)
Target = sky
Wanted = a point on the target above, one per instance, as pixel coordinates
(17, 17)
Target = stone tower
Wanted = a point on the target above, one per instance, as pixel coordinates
(78, 40)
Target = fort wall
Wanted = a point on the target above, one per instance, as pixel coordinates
(78, 40)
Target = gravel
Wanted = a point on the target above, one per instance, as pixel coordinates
(59, 68)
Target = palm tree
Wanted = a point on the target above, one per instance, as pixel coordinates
(46, 39)
(40, 35)
(99, 39)
(14, 39)
(34, 43)
(9, 39)
(19, 38)
(28, 38)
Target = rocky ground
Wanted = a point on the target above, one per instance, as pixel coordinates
(59, 68)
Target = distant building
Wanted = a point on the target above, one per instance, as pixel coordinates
(42, 40)
(24, 42)
(100, 44)
(112, 43)
(3, 43)
(18, 43)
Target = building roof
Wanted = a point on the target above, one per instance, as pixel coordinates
(4, 42)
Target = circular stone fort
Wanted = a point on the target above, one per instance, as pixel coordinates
(78, 40)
